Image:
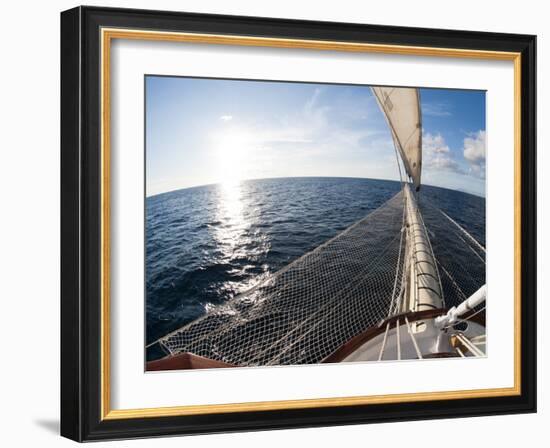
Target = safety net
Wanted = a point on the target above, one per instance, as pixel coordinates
(307, 310)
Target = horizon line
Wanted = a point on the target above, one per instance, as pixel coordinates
(298, 177)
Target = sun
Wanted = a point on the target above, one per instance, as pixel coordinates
(233, 150)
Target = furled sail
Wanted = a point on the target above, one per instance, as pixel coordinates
(401, 106)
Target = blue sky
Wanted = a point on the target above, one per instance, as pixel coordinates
(203, 131)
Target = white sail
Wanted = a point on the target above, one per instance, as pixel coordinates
(401, 106)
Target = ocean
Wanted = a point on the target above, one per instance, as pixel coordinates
(206, 244)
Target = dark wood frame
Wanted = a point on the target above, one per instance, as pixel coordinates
(81, 415)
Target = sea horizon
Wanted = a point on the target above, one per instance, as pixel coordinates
(461, 190)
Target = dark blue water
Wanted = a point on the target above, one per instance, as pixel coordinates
(206, 244)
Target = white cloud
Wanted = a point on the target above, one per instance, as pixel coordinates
(226, 117)
(434, 144)
(436, 154)
(304, 127)
(315, 139)
(474, 152)
(436, 109)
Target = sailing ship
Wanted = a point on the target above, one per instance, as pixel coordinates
(392, 286)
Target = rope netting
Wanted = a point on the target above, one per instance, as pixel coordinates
(305, 311)
(460, 257)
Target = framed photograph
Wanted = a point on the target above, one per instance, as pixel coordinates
(273, 223)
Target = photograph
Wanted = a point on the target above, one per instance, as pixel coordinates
(291, 223)
(279, 223)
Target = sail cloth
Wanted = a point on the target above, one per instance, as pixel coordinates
(401, 106)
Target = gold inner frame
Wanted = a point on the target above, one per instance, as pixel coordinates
(107, 35)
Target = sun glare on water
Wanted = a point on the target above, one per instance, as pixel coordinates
(232, 152)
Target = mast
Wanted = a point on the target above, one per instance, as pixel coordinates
(401, 108)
